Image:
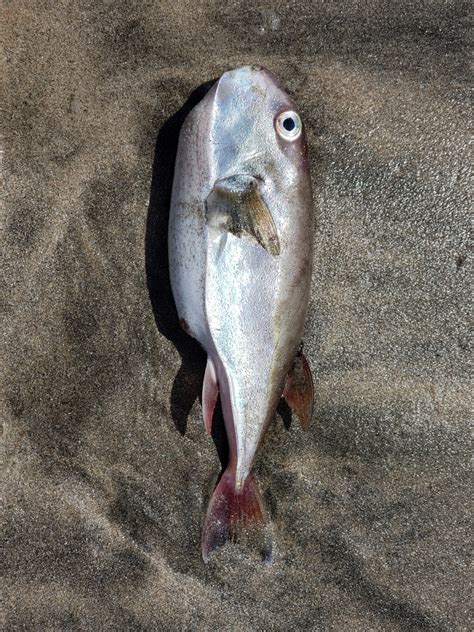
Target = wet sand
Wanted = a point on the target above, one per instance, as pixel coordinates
(108, 468)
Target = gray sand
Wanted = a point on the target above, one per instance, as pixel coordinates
(108, 467)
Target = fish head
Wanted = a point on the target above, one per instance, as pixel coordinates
(255, 129)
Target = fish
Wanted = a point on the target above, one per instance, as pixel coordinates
(240, 242)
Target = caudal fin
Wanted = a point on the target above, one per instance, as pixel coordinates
(236, 514)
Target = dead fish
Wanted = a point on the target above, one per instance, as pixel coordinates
(240, 255)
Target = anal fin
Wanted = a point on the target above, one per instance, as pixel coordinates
(299, 390)
(210, 392)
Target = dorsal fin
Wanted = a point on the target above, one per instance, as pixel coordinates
(299, 390)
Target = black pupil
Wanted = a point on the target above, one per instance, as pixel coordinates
(289, 124)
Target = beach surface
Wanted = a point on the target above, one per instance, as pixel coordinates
(108, 469)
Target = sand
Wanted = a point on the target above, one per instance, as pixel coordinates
(107, 467)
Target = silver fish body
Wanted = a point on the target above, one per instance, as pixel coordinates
(240, 253)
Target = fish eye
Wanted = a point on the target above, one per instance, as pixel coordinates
(288, 125)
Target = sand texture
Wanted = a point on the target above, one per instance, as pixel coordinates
(108, 470)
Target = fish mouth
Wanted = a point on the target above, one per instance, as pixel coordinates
(249, 68)
(249, 74)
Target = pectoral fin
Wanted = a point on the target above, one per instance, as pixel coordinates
(236, 205)
(299, 390)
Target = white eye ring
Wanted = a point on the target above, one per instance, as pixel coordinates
(289, 125)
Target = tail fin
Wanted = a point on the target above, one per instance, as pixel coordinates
(234, 514)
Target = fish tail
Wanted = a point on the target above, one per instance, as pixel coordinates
(235, 515)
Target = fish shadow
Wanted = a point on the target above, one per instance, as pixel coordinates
(284, 411)
(187, 384)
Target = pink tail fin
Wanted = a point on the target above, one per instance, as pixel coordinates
(235, 513)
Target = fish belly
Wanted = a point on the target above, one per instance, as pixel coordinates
(187, 233)
(241, 298)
